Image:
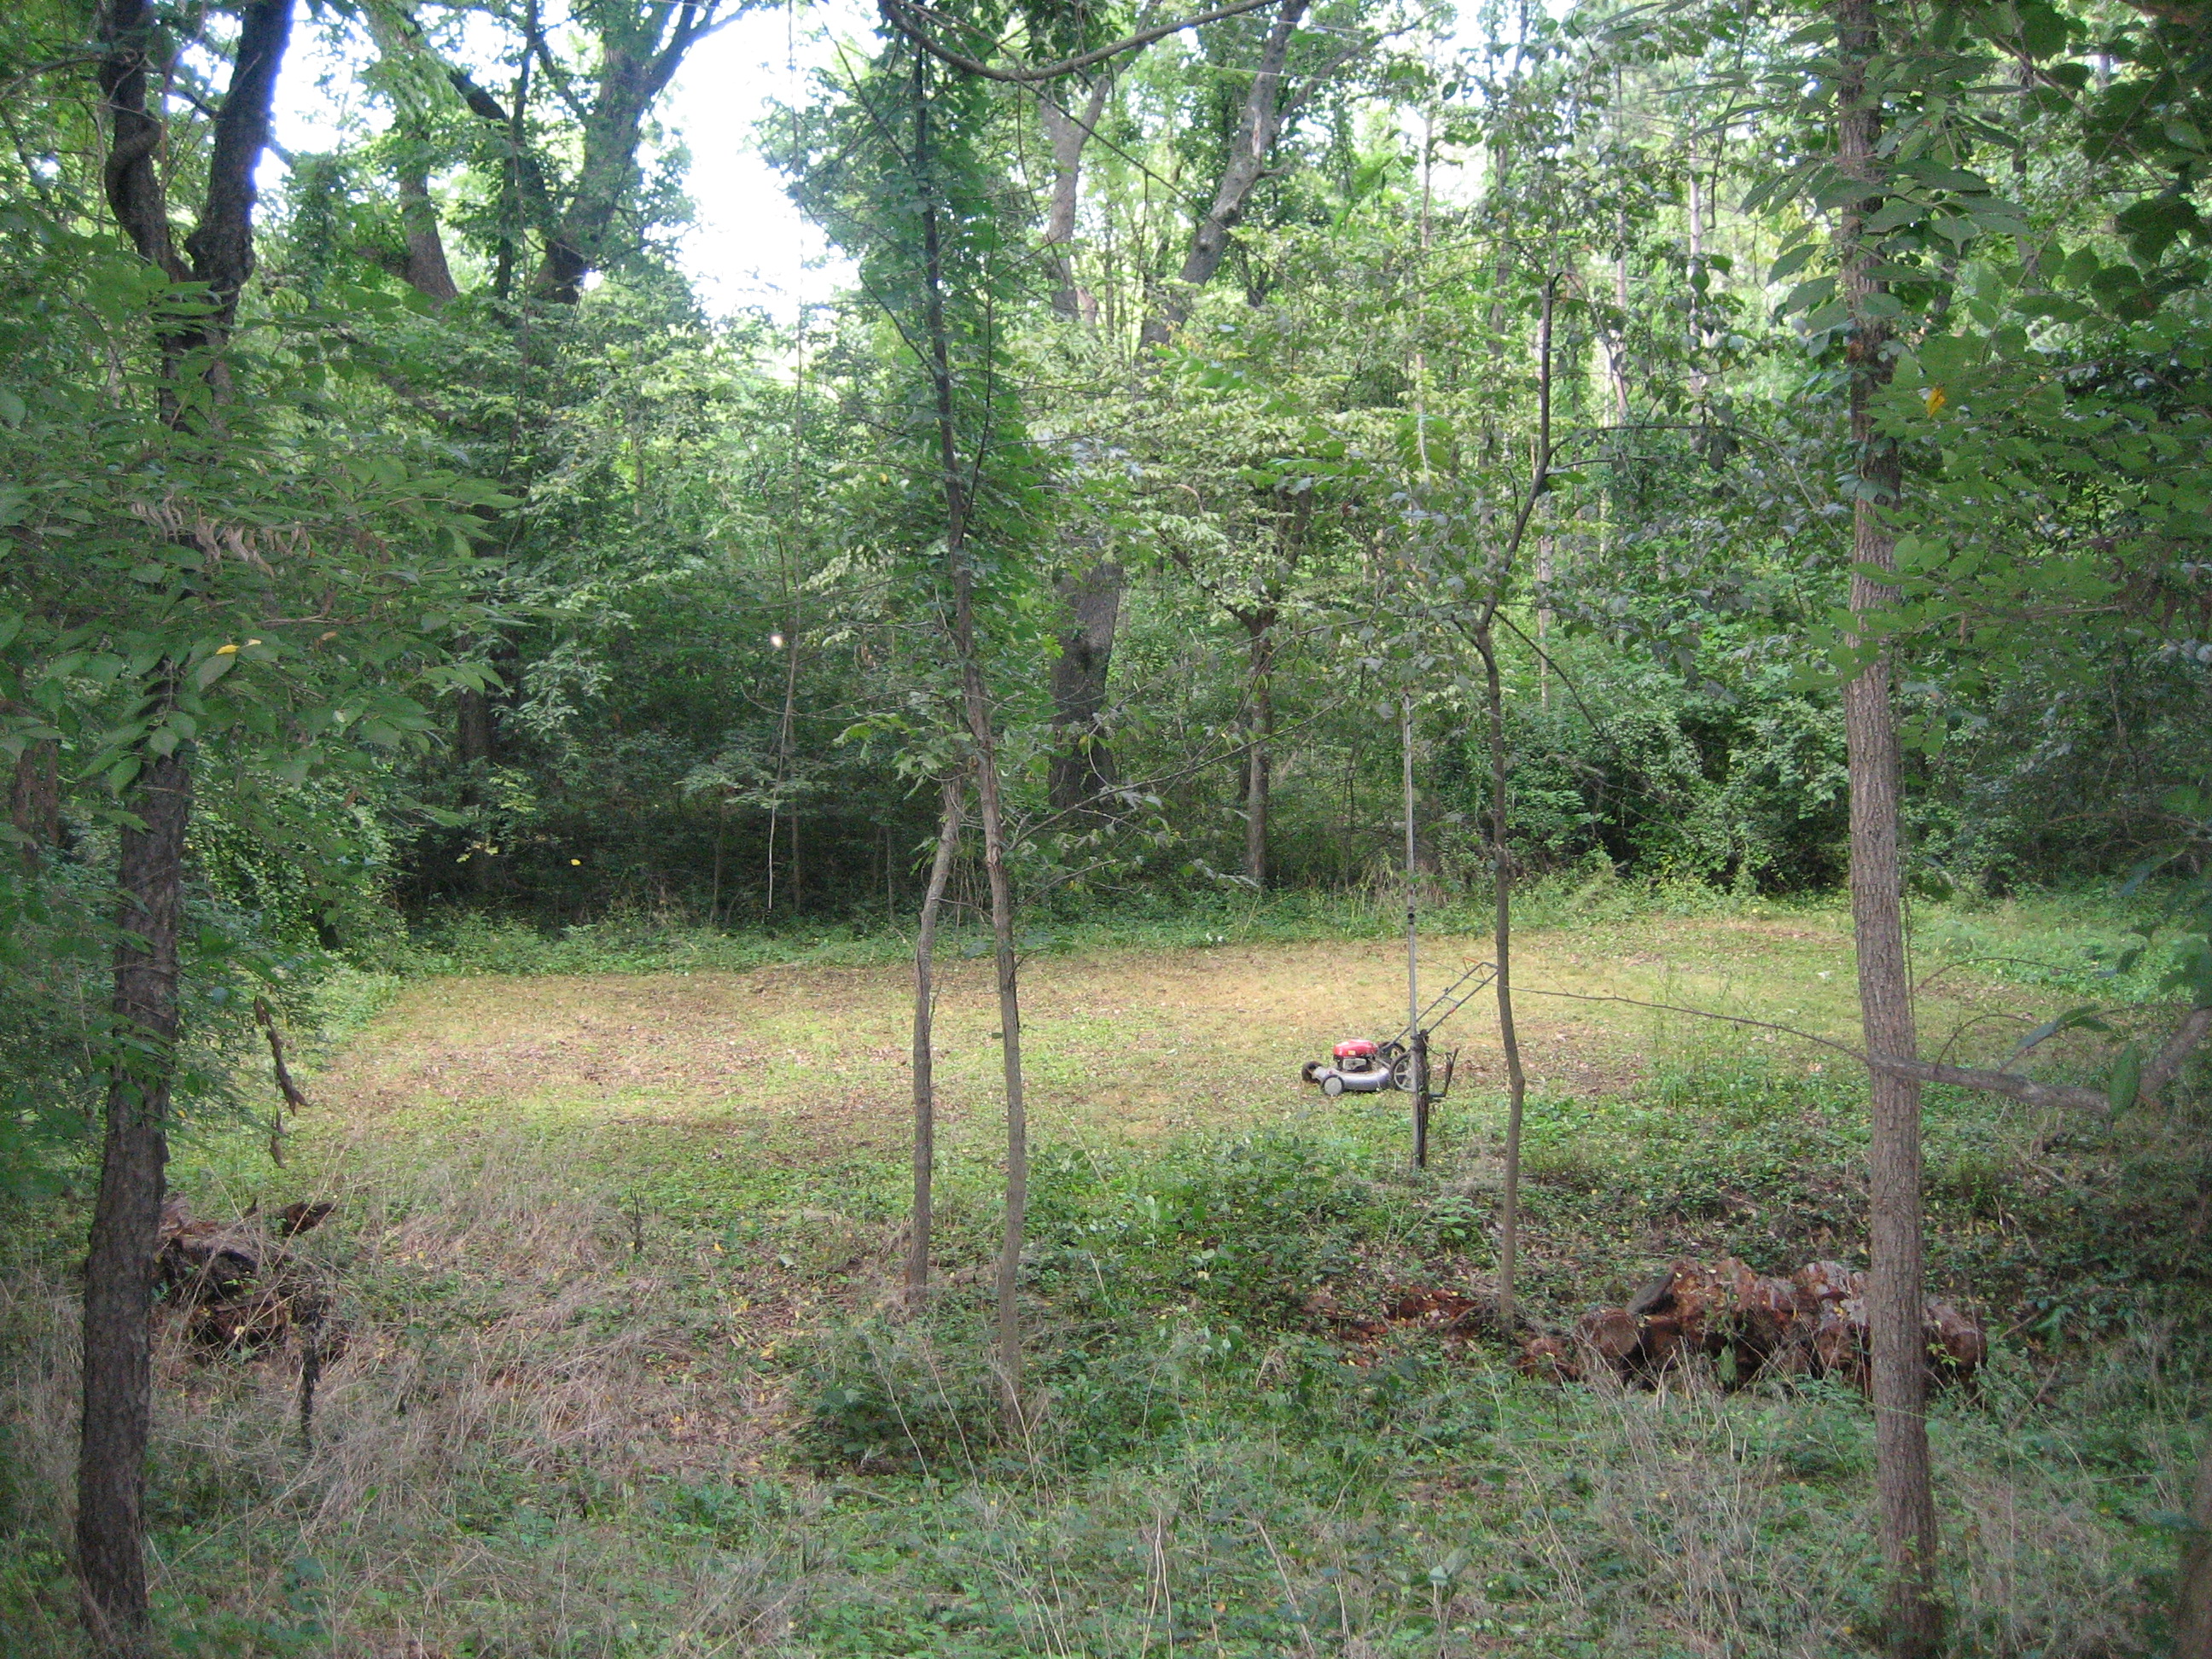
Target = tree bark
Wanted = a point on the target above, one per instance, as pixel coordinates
(640, 46)
(1480, 634)
(118, 1273)
(925, 1025)
(117, 1379)
(1082, 761)
(1904, 1493)
(476, 742)
(1260, 731)
(34, 798)
(1261, 125)
(1082, 766)
(1067, 132)
(1007, 1287)
(640, 49)
(1516, 1081)
(427, 271)
(2192, 1616)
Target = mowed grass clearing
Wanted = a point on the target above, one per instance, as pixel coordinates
(1130, 1045)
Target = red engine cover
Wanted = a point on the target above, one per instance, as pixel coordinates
(1358, 1048)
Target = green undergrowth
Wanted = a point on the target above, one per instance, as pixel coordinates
(634, 1390)
(474, 943)
(2062, 942)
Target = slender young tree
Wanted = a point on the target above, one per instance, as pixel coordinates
(1905, 1498)
(949, 813)
(956, 468)
(1482, 633)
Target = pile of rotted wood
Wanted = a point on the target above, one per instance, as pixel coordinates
(235, 1287)
(1812, 1323)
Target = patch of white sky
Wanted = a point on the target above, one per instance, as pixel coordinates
(748, 248)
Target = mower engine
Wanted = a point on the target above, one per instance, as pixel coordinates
(1357, 1067)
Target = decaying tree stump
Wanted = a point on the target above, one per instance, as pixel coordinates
(1812, 1323)
(237, 1291)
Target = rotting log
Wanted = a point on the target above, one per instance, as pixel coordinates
(235, 1291)
(1748, 1326)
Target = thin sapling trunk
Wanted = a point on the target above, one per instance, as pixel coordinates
(119, 1275)
(1907, 1521)
(977, 704)
(1259, 760)
(1516, 1081)
(925, 1024)
(1484, 638)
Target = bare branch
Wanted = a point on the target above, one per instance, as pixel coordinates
(2024, 1090)
(1703, 1013)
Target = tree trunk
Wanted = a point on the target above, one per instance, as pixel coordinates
(1258, 759)
(1261, 124)
(1246, 164)
(1516, 1081)
(119, 1273)
(476, 735)
(1082, 766)
(784, 733)
(1068, 131)
(1907, 1509)
(34, 798)
(1082, 761)
(118, 1376)
(427, 271)
(1008, 1285)
(639, 50)
(976, 700)
(925, 1023)
(2192, 1615)
(1484, 640)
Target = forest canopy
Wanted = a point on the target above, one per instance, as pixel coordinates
(1243, 323)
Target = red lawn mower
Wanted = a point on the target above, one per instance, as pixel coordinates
(1359, 1066)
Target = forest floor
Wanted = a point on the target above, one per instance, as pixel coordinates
(621, 1373)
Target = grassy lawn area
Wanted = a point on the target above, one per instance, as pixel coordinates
(620, 1374)
(1126, 1044)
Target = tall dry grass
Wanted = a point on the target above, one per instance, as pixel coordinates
(553, 1431)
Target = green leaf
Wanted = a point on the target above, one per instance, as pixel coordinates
(2089, 1018)
(213, 670)
(1943, 177)
(1792, 262)
(2126, 1078)
(1817, 291)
